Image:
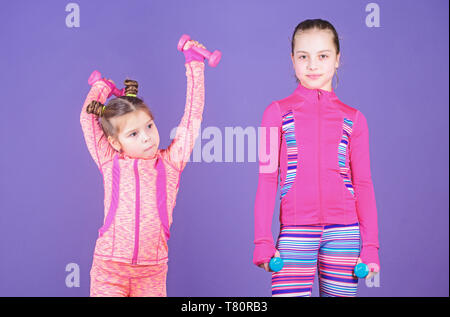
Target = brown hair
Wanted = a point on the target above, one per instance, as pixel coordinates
(118, 107)
(318, 24)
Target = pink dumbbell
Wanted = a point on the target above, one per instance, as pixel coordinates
(214, 57)
(96, 76)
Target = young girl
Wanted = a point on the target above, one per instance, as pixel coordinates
(327, 197)
(140, 182)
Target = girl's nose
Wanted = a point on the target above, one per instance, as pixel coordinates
(145, 137)
(312, 65)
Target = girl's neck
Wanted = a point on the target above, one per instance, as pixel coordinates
(326, 87)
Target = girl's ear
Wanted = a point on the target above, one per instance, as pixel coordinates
(114, 143)
(338, 58)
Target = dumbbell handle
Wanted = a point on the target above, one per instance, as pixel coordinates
(202, 51)
(96, 76)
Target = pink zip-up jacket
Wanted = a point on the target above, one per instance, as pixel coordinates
(322, 161)
(140, 194)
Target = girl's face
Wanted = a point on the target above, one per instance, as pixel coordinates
(138, 136)
(315, 59)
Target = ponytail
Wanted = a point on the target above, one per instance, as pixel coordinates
(95, 108)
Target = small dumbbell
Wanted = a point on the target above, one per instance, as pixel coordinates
(214, 57)
(361, 270)
(276, 264)
(96, 76)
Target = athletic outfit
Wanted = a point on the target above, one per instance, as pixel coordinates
(131, 253)
(322, 161)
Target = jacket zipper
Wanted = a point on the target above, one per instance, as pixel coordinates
(136, 223)
(318, 166)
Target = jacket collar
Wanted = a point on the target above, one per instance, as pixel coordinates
(315, 93)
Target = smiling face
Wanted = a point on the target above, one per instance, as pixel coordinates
(137, 135)
(314, 58)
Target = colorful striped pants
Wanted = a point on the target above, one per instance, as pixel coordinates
(333, 249)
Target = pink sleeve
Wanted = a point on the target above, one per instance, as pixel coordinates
(187, 131)
(365, 197)
(267, 184)
(97, 144)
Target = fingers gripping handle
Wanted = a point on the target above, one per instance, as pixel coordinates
(213, 58)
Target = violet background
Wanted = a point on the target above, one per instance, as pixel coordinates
(51, 202)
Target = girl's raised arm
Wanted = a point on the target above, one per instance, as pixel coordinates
(187, 131)
(97, 144)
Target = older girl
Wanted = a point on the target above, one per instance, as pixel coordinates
(327, 196)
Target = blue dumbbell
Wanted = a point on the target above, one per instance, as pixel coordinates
(276, 264)
(361, 270)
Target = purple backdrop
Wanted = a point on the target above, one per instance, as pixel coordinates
(51, 191)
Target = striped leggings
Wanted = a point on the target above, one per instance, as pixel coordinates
(333, 249)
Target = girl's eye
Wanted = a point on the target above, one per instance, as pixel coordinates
(302, 57)
(150, 126)
(133, 134)
(323, 56)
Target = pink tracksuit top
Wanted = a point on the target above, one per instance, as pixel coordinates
(140, 194)
(322, 148)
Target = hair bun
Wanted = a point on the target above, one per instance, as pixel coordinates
(131, 87)
(95, 108)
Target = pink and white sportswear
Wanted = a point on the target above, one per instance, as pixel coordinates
(140, 194)
(322, 159)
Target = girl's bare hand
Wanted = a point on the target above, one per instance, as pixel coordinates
(265, 266)
(192, 43)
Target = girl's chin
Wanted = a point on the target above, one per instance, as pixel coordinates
(149, 155)
(315, 84)
(145, 156)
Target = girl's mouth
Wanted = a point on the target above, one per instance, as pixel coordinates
(149, 148)
(313, 77)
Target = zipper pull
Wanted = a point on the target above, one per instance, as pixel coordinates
(318, 94)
